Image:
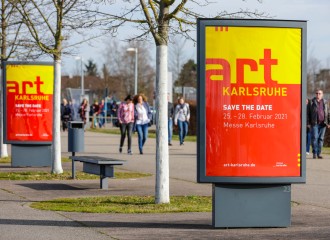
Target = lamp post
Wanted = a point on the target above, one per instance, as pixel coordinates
(136, 67)
(82, 76)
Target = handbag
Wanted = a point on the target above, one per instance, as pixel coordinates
(117, 123)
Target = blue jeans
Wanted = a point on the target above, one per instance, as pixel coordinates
(308, 139)
(101, 119)
(318, 132)
(142, 130)
(170, 130)
(183, 130)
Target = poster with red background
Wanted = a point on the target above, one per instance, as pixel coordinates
(28, 103)
(253, 92)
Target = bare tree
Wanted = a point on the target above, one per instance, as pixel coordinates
(121, 68)
(51, 23)
(313, 68)
(160, 19)
(176, 55)
(14, 45)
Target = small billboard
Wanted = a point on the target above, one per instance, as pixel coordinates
(251, 101)
(28, 102)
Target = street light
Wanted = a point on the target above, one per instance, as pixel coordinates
(82, 76)
(136, 67)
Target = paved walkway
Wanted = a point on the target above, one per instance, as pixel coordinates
(310, 217)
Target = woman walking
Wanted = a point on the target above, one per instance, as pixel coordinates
(126, 120)
(82, 111)
(181, 118)
(142, 116)
(101, 114)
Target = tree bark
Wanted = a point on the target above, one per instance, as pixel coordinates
(57, 163)
(3, 147)
(162, 155)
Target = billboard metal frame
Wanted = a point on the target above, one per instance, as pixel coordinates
(4, 87)
(201, 102)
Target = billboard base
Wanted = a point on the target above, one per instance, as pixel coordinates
(30, 155)
(251, 205)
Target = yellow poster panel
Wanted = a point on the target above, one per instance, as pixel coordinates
(257, 55)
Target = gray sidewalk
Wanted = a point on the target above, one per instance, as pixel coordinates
(310, 216)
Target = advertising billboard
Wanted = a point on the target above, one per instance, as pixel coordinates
(251, 96)
(28, 102)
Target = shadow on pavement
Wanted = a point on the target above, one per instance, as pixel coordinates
(50, 186)
(103, 224)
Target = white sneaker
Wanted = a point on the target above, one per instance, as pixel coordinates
(307, 153)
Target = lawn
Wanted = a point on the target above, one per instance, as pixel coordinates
(127, 204)
(66, 175)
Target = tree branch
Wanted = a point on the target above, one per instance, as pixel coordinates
(149, 19)
(43, 17)
(153, 8)
(176, 10)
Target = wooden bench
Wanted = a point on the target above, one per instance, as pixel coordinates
(97, 165)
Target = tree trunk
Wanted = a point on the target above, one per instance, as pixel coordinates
(3, 147)
(57, 164)
(162, 156)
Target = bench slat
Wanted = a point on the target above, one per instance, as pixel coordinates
(98, 160)
(101, 166)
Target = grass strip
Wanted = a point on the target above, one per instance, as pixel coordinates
(8, 160)
(66, 175)
(127, 204)
(151, 134)
(5, 160)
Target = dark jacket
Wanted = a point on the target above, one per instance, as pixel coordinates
(312, 112)
(65, 112)
(170, 110)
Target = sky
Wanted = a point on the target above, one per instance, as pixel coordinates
(315, 12)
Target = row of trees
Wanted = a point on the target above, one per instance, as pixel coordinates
(117, 73)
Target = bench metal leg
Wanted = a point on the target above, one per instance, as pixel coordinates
(73, 173)
(103, 179)
(73, 170)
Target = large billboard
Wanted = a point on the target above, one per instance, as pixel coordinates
(28, 102)
(251, 96)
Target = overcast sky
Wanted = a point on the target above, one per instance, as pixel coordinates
(316, 12)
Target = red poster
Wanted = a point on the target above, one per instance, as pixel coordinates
(29, 103)
(253, 101)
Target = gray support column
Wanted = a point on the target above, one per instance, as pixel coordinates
(251, 205)
(30, 155)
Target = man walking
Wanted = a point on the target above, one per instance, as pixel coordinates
(318, 120)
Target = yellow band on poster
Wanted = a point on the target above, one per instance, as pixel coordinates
(254, 55)
(30, 79)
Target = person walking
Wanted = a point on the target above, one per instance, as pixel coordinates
(94, 112)
(82, 111)
(318, 120)
(126, 120)
(308, 129)
(170, 114)
(181, 118)
(101, 114)
(65, 114)
(142, 116)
